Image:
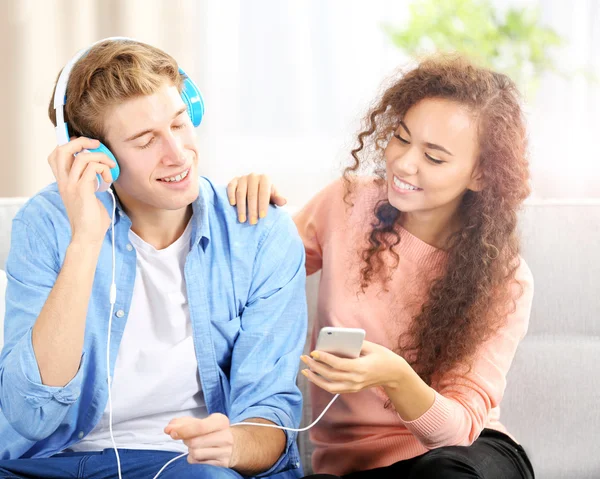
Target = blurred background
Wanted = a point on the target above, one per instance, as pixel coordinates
(286, 82)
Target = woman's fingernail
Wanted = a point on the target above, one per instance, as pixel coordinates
(304, 372)
(262, 214)
(304, 359)
(315, 355)
(253, 220)
(174, 435)
(242, 219)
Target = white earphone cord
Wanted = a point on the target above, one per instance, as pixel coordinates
(289, 428)
(262, 425)
(113, 299)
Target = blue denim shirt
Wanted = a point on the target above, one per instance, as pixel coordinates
(247, 303)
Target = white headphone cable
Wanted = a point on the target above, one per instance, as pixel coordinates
(262, 425)
(113, 300)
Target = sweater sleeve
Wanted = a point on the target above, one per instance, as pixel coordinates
(311, 221)
(463, 401)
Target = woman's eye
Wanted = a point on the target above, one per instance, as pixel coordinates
(397, 136)
(431, 158)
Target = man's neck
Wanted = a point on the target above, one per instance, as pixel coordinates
(160, 228)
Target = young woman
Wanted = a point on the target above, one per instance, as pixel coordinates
(424, 256)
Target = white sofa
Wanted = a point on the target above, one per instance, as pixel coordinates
(552, 401)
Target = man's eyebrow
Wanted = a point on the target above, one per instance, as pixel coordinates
(150, 130)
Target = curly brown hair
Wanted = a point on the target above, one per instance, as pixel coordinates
(468, 302)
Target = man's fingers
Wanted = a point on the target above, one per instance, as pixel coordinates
(65, 153)
(189, 427)
(81, 162)
(64, 157)
(211, 462)
(79, 144)
(90, 172)
(218, 438)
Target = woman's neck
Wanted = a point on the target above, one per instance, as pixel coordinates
(433, 227)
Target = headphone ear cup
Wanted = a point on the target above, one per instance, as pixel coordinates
(115, 172)
(191, 96)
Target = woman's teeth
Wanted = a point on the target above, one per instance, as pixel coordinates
(176, 178)
(404, 186)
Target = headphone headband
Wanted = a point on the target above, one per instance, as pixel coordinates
(190, 93)
(60, 93)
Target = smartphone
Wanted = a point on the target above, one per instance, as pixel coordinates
(343, 342)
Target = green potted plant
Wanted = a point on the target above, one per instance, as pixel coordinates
(512, 41)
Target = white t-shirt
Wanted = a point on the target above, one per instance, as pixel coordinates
(156, 374)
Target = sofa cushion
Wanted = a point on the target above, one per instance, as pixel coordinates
(550, 405)
(560, 245)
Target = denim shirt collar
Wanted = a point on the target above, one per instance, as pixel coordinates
(200, 217)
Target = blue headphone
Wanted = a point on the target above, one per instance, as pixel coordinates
(190, 94)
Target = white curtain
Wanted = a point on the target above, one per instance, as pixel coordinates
(286, 83)
(565, 119)
(290, 80)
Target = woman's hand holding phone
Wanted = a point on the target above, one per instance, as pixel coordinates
(375, 366)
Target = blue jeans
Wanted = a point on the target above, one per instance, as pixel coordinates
(135, 464)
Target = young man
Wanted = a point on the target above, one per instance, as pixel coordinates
(209, 317)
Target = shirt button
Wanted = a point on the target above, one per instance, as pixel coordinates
(129, 247)
(80, 435)
(120, 313)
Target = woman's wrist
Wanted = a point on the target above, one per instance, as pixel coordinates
(409, 394)
(398, 373)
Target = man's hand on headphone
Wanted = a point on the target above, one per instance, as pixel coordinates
(75, 172)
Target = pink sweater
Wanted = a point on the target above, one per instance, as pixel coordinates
(358, 433)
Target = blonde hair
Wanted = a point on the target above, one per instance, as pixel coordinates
(110, 73)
